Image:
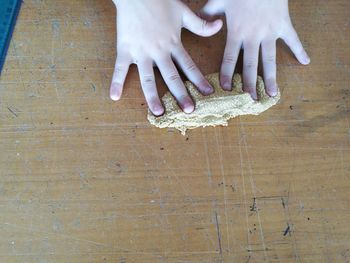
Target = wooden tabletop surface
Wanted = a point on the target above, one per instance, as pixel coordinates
(86, 179)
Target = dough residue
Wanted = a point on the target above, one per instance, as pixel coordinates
(215, 109)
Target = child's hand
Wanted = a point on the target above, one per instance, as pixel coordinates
(149, 33)
(251, 24)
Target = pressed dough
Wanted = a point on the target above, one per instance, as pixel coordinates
(215, 109)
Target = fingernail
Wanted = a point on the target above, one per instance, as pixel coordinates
(115, 92)
(218, 23)
(158, 110)
(273, 91)
(306, 59)
(189, 108)
(207, 90)
(115, 97)
(252, 93)
(187, 105)
(271, 87)
(226, 85)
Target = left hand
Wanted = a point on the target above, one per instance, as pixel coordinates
(251, 24)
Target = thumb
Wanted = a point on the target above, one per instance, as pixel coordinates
(200, 26)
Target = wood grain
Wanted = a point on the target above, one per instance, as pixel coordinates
(85, 179)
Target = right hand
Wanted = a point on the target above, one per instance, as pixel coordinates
(255, 24)
(149, 34)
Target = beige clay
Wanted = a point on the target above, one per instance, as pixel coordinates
(215, 109)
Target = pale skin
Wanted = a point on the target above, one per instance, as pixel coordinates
(149, 34)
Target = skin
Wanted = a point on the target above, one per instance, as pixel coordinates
(149, 34)
(255, 24)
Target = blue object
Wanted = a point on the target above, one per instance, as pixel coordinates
(9, 10)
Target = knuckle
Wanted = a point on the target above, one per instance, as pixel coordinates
(225, 77)
(173, 77)
(153, 100)
(270, 59)
(184, 98)
(250, 86)
(271, 82)
(189, 65)
(204, 25)
(251, 64)
(116, 85)
(229, 59)
(148, 81)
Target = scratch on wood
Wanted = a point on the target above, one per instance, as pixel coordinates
(93, 87)
(252, 183)
(55, 24)
(184, 190)
(270, 198)
(207, 159)
(64, 236)
(345, 255)
(218, 231)
(243, 185)
(253, 206)
(257, 250)
(219, 146)
(287, 231)
(12, 111)
(283, 203)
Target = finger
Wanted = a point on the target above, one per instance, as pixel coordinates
(200, 26)
(120, 72)
(229, 62)
(175, 84)
(269, 64)
(294, 43)
(212, 8)
(250, 68)
(186, 63)
(149, 88)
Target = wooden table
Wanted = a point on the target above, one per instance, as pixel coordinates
(85, 179)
